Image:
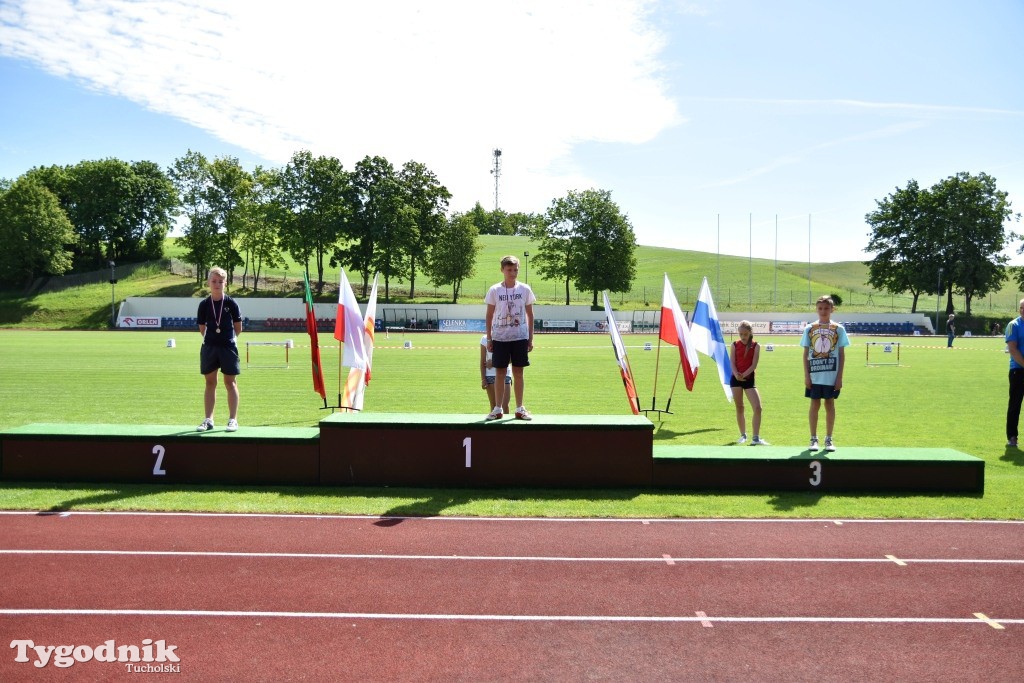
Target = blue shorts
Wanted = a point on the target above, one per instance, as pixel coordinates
(490, 379)
(818, 391)
(516, 352)
(223, 358)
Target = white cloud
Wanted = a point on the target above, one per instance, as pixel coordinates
(442, 83)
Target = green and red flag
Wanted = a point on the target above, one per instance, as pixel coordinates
(314, 344)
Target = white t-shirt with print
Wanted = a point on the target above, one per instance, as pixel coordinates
(509, 322)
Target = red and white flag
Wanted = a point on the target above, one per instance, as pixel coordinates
(355, 385)
(621, 359)
(676, 331)
(348, 328)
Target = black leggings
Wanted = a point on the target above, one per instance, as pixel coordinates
(1016, 396)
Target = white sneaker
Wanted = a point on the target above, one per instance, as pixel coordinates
(742, 440)
(758, 441)
(232, 425)
(814, 444)
(205, 426)
(829, 446)
(495, 414)
(523, 414)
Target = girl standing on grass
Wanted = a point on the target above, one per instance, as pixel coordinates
(745, 354)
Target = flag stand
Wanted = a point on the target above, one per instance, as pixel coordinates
(654, 394)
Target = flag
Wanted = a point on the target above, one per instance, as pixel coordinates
(314, 344)
(620, 358)
(348, 328)
(674, 330)
(355, 386)
(707, 335)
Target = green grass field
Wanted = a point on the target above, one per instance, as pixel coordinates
(938, 397)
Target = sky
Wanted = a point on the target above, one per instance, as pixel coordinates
(743, 127)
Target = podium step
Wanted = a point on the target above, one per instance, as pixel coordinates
(788, 468)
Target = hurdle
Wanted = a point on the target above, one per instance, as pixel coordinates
(887, 347)
(287, 344)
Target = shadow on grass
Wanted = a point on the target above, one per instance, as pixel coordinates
(1014, 456)
(433, 502)
(662, 433)
(414, 502)
(14, 309)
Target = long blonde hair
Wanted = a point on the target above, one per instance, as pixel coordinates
(745, 325)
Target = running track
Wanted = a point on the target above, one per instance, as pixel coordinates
(263, 597)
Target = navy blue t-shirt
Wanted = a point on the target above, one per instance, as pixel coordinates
(229, 313)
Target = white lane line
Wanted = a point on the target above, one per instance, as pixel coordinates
(585, 520)
(665, 558)
(705, 623)
(611, 618)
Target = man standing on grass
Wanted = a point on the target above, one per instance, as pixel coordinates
(220, 323)
(1015, 345)
(510, 332)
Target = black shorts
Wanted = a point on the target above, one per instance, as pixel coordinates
(747, 383)
(223, 358)
(821, 391)
(515, 351)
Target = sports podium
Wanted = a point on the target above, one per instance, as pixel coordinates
(464, 451)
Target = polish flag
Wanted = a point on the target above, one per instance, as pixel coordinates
(675, 330)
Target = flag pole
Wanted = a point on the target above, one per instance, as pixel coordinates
(673, 391)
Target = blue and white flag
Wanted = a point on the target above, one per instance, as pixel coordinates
(707, 336)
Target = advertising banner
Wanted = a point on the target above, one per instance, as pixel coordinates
(138, 322)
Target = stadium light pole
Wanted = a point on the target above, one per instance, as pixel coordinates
(526, 277)
(113, 310)
(938, 300)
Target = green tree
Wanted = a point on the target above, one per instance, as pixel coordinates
(192, 179)
(260, 217)
(587, 239)
(453, 256)
(35, 232)
(316, 192)
(973, 213)
(428, 200)
(905, 242)
(97, 208)
(383, 224)
(950, 235)
(153, 205)
(229, 191)
(481, 218)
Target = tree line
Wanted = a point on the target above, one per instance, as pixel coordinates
(374, 218)
(945, 239)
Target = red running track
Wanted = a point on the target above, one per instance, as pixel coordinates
(266, 597)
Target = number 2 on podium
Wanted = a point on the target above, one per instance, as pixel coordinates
(159, 451)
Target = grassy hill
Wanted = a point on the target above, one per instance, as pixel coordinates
(738, 284)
